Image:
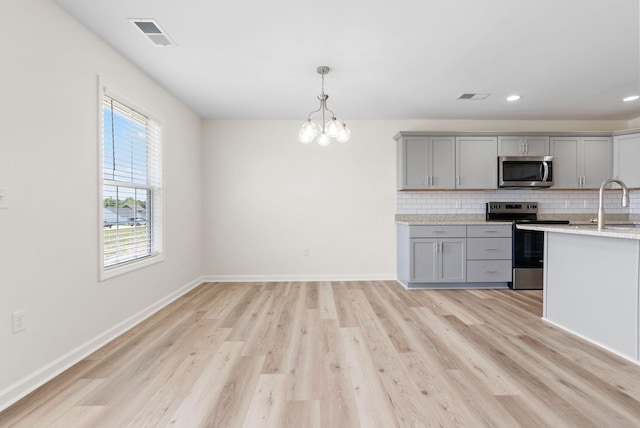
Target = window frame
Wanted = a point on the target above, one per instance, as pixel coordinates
(156, 191)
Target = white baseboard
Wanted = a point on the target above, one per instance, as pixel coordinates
(299, 278)
(31, 382)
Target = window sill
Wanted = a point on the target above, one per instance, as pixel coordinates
(111, 272)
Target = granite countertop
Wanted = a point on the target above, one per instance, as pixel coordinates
(591, 230)
(453, 219)
(440, 219)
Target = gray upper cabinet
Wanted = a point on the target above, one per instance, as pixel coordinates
(581, 162)
(476, 162)
(523, 146)
(626, 154)
(426, 163)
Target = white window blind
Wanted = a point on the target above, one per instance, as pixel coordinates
(131, 185)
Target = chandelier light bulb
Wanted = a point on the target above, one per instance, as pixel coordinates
(324, 140)
(344, 134)
(332, 128)
(308, 132)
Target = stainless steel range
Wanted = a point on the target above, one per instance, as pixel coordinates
(527, 245)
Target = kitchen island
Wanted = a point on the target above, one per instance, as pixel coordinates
(592, 284)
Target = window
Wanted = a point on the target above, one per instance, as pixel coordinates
(131, 233)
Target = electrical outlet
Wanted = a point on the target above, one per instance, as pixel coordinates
(458, 204)
(585, 203)
(18, 321)
(305, 252)
(567, 203)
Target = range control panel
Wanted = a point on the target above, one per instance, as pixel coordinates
(512, 207)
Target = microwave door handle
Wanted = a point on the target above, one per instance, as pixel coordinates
(546, 171)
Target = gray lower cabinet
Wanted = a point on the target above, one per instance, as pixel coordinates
(489, 253)
(438, 260)
(454, 256)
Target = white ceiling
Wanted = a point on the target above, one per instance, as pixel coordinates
(402, 59)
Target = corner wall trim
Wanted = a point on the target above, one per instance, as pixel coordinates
(31, 382)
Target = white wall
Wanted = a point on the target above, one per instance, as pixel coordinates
(267, 197)
(635, 123)
(48, 160)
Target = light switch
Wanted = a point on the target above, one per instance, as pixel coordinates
(4, 198)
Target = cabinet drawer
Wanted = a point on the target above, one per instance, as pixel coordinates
(489, 271)
(489, 248)
(489, 231)
(431, 231)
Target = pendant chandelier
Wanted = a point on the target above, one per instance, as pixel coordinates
(335, 128)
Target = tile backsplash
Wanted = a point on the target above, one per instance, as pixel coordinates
(549, 201)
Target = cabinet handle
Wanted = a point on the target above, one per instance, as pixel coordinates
(491, 249)
(430, 180)
(490, 231)
(439, 231)
(492, 271)
(458, 180)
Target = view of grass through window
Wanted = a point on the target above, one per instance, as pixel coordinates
(130, 178)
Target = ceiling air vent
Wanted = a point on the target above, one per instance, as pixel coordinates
(473, 96)
(151, 29)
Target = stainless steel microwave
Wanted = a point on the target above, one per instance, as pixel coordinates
(530, 172)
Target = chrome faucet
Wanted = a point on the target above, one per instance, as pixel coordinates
(625, 200)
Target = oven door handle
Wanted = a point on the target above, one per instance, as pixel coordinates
(545, 176)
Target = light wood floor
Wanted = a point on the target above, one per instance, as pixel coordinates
(341, 354)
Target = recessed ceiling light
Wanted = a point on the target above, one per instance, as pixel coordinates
(631, 98)
(513, 97)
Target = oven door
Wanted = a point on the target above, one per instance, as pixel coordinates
(528, 248)
(528, 256)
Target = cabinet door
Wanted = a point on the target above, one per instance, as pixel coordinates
(565, 162)
(536, 146)
(626, 150)
(523, 146)
(510, 146)
(412, 163)
(453, 260)
(442, 162)
(424, 255)
(596, 159)
(476, 162)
